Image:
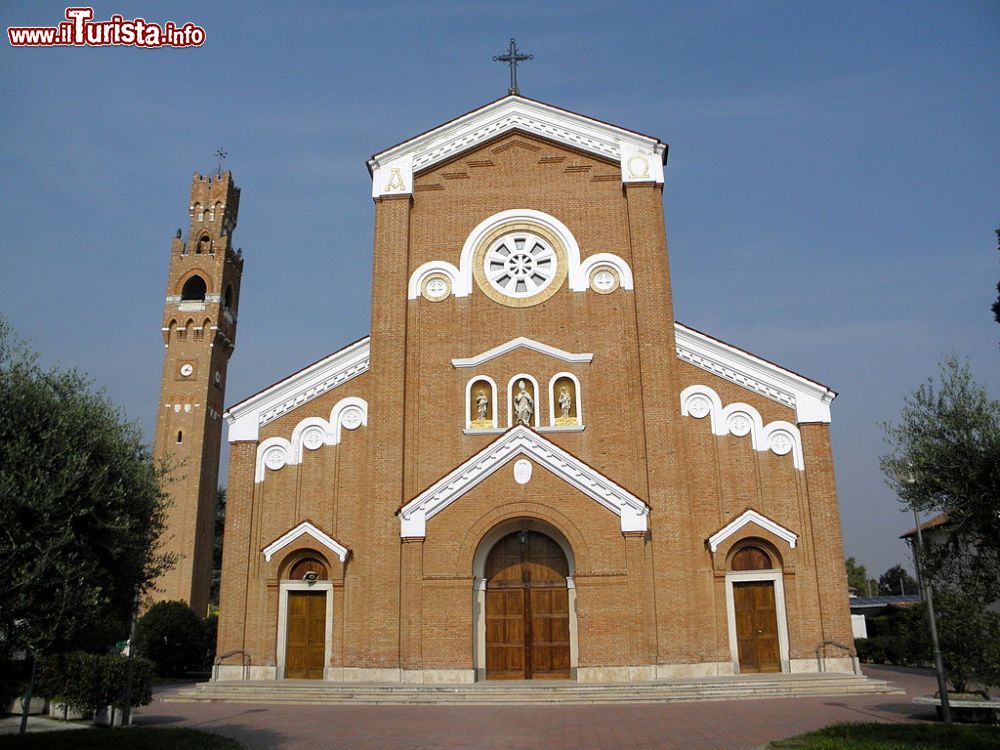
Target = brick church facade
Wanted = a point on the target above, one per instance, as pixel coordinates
(529, 469)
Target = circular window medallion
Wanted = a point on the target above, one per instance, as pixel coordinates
(520, 265)
(781, 443)
(275, 458)
(436, 287)
(604, 280)
(739, 425)
(351, 418)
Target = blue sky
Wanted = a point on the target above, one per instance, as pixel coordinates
(831, 193)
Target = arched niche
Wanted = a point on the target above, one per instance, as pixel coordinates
(565, 400)
(481, 405)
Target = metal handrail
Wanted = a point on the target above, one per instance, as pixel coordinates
(821, 655)
(246, 663)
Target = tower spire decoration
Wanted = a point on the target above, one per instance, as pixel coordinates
(512, 57)
(221, 155)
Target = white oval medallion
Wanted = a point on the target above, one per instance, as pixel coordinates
(313, 438)
(522, 471)
(781, 443)
(698, 407)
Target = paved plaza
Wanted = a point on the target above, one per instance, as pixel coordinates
(722, 725)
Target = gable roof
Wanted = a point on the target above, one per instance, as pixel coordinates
(751, 516)
(516, 112)
(306, 528)
(521, 441)
(810, 399)
(247, 417)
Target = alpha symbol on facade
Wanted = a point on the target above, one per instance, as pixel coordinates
(395, 180)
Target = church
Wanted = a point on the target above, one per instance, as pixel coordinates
(529, 469)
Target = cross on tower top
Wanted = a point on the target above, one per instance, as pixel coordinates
(221, 154)
(512, 58)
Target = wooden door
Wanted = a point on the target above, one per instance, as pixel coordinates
(306, 650)
(756, 626)
(527, 609)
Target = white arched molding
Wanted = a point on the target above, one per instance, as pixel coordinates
(493, 401)
(580, 280)
(740, 420)
(553, 397)
(461, 278)
(435, 268)
(310, 434)
(511, 385)
(274, 453)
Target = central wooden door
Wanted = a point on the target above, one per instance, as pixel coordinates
(527, 609)
(756, 626)
(306, 651)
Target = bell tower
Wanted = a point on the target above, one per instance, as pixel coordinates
(199, 335)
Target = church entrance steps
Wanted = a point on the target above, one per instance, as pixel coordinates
(312, 692)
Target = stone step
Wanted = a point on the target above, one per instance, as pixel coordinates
(700, 689)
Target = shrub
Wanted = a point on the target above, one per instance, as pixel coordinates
(869, 650)
(88, 682)
(968, 633)
(172, 636)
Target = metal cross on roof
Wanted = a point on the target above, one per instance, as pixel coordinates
(221, 154)
(512, 58)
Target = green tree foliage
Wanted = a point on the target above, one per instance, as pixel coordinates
(945, 457)
(996, 305)
(896, 581)
(174, 638)
(88, 682)
(969, 635)
(220, 527)
(81, 507)
(857, 578)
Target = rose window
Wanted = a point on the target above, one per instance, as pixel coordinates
(520, 265)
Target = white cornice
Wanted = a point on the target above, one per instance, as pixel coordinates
(751, 516)
(247, 417)
(640, 156)
(811, 400)
(522, 441)
(306, 528)
(519, 343)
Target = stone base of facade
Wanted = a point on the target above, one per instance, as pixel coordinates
(642, 673)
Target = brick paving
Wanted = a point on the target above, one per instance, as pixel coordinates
(722, 725)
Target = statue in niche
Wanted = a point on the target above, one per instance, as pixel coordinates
(565, 401)
(480, 419)
(482, 404)
(524, 404)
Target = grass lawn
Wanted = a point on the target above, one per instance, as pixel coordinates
(136, 738)
(895, 737)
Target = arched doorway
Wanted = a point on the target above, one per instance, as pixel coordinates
(754, 579)
(527, 608)
(305, 617)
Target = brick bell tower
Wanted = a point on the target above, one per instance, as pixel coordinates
(199, 334)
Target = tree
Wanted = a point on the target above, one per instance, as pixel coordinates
(969, 638)
(173, 637)
(220, 527)
(896, 581)
(857, 578)
(945, 458)
(81, 507)
(996, 305)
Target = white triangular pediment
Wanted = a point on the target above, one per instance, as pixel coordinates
(247, 417)
(306, 529)
(641, 156)
(748, 517)
(517, 442)
(522, 342)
